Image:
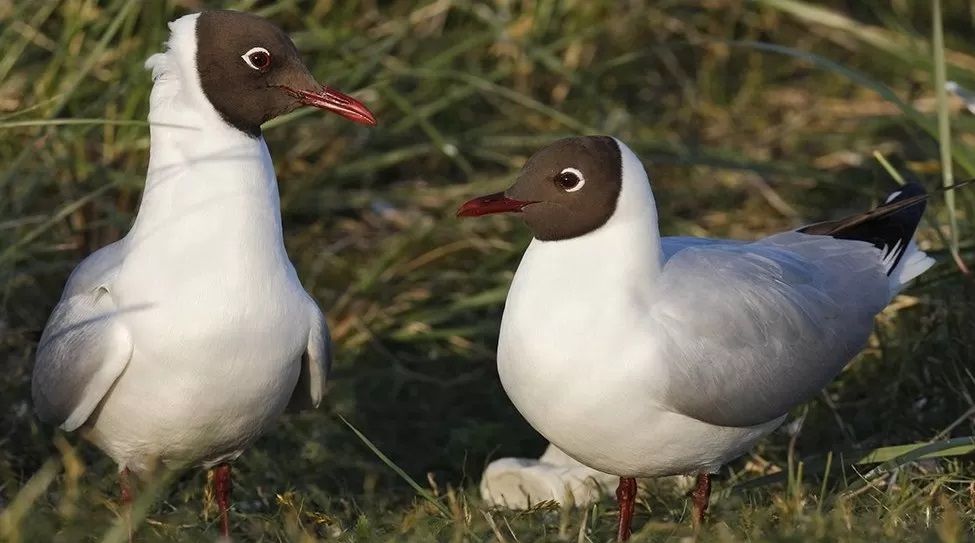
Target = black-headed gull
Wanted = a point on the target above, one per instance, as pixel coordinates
(643, 356)
(184, 341)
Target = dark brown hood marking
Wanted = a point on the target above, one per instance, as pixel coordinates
(244, 96)
(564, 210)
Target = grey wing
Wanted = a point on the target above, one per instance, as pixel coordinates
(84, 347)
(749, 331)
(316, 362)
(669, 246)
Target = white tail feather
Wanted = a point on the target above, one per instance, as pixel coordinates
(912, 264)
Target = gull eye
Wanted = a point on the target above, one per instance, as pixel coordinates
(570, 180)
(257, 58)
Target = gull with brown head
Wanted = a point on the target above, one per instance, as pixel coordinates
(645, 356)
(181, 343)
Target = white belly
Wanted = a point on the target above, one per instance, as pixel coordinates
(185, 419)
(591, 389)
(211, 371)
(623, 433)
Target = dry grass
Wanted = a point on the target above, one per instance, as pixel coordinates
(751, 117)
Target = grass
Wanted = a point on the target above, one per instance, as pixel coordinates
(751, 117)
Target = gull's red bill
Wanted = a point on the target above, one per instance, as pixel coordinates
(492, 203)
(337, 102)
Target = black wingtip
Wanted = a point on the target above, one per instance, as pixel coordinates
(889, 227)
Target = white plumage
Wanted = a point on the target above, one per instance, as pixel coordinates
(185, 340)
(642, 356)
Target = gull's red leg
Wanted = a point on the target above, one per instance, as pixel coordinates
(125, 493)
(222, 486)
(701, 495)
(626, 496)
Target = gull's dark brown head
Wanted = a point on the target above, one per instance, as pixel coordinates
(251, 72)
(566, 190)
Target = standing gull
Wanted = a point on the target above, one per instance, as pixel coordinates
(643, 356)
(184, 341)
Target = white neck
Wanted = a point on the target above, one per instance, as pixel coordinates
(207, 181)
(209, 175)
(624, 252)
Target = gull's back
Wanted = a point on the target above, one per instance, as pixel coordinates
(758, 328)
(754, 329)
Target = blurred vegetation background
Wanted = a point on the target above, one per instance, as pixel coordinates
(751, 117)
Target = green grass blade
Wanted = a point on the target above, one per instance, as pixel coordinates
(12, 52)
(88, 63)
(944, 128)
(892, 456)
(424, 493)
(963, 156)
(889, 168)
(907, 47)
(55, 218)
(33, 489)
(29, 123)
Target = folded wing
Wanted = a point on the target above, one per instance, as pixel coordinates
(84, 347)
(750, 330)
(315, 363)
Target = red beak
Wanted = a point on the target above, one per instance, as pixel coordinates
(337, 102)
(492, 203)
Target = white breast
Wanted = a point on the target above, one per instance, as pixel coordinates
(202, 285)
(218, 318)
(579, 357)
(584, 372)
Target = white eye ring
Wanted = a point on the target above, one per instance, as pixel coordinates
(578, 175)
(247, 58)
